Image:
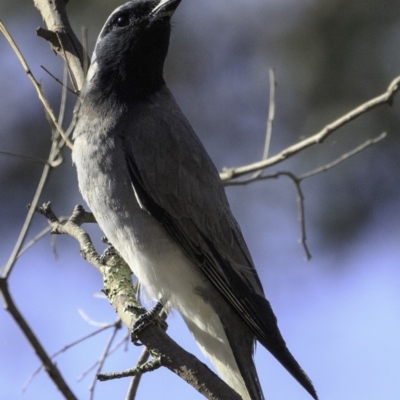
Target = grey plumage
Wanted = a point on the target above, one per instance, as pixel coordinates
(157, 196)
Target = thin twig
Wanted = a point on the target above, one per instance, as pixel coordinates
(135, 381)
(57, 80)
(271, 112)
(300, 200)
(298, 179)
(35, 83)
(27, 158)
(85, 45)
(103, 358)
(91, 321)
(68, 132)
(37, 237)
(113, 350)
(271, 116)
(302, 212)
(50, 367)
(385, 98)
(302, 217)
(69, 69)
(53, 160)
(149, 366)
(88, 336)
(61, 36)
(13, 257)
(344, 157)
(64, 349)
(63, 102)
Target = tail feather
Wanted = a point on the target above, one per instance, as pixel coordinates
(273, 341)
(241, 342)
(248, 372)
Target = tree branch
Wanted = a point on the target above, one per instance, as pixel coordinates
(343, 157)
(67, 347)
(49, 366)
(122, 296)
(386, 98)
(62, 38)
(35, 83)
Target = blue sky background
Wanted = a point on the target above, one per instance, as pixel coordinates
(340, 312)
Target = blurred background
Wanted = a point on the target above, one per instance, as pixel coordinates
(339, 312)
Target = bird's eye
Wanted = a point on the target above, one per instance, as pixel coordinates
(122, 20)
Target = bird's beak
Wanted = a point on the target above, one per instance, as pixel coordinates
(165, 8)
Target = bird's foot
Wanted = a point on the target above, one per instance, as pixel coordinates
(109, 252)
(150, 316)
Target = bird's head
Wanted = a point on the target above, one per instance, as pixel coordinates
(130, 51)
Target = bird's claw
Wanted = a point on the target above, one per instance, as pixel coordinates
(146, 319)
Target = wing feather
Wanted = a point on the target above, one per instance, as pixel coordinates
(178, 184)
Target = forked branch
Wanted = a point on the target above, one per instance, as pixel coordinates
(385, 98)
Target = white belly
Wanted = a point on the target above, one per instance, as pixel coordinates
(163, 270)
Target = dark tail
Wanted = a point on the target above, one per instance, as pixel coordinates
(241, 340)
(268, 334)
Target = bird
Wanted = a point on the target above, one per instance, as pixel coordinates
(158, 197)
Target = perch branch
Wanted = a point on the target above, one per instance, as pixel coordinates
(121, 294)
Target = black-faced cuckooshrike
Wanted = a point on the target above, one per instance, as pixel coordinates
(158, 197)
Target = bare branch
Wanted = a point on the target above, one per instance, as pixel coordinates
(91, 321)
(62, 38)
(344, 157)
(298, 179)
(271, 112)
(36, 238)
(57, 80)
(53, 161)
(27, 158)
(55, 158)
(133, 387)
(302, 212)
(85, 42)
(300, 197)
(103, 358)
(124, 340)
(50, 367)
(140, 369)
(121, 294)
(67, 347)
(385, 98)
(35, 83)
(271, 116)
(17, 247)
